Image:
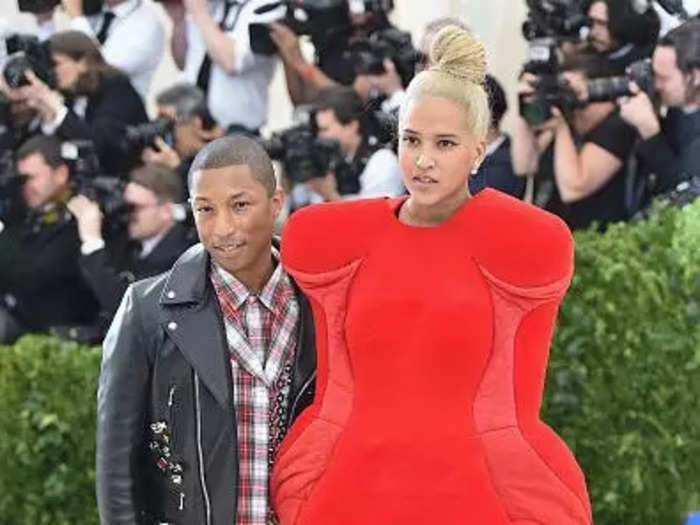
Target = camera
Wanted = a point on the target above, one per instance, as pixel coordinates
(322, 20)
(560, 19)
(303, 154)
(368, 55)
(107, 192)
(611, 88)
(550, 90)
(26, 52)
(141, 136)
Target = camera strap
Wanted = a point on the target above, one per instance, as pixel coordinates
(205, 68)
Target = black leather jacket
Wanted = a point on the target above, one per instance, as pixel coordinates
(166, 435)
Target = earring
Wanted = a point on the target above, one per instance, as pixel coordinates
(475, 170)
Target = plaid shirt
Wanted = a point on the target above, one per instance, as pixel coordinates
(261, 332)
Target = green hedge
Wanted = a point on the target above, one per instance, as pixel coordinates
(623, 388)
(624, 379)
(47, 421)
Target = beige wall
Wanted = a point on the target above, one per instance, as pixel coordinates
(496, 22)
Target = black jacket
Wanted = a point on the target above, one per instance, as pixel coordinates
(109, 273)
(40, 281)
(166, 434)
(114, 106)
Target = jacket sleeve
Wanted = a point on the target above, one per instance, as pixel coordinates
(660, 159)
(121, 407)
(103, 279)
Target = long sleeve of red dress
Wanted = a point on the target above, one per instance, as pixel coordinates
(432, 350)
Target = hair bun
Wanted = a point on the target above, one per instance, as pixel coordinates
(457, 52)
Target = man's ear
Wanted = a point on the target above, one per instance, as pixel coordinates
(277, 199)
(62, 174)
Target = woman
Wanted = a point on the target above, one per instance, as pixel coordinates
(433, 317)
(100, 93)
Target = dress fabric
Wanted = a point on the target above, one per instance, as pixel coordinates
(432, 349)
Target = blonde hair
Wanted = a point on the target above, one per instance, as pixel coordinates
(457, 72)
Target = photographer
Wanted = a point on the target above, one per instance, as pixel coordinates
(157, 238)
(41, 286)
(131, 35)
(192, 128)
(337, 30)
(579, 159)
(103, 100)
(496, 170)
(622, 31)
(220, 61)
(340, 115)
(670, 149)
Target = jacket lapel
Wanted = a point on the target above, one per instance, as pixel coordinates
(192, 319)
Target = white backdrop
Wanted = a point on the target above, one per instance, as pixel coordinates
(496, 22)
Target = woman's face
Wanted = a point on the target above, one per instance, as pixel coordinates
(437, 151)
(67, 71)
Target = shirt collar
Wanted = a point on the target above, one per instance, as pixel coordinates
(240, 292)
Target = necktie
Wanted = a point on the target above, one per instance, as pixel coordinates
(205, 68)
(107, 19)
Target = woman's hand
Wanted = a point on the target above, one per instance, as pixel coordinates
(39, 96)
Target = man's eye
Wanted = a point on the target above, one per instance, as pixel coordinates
(241, 205)
(202, 209)
(445, 144)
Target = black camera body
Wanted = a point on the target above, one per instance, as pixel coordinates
(141, 136)
(26, 52)
(550, 90)
(611, 88)
(322, 20)
(560, 19)
(368, 55)
(107, 192)
(303, 154)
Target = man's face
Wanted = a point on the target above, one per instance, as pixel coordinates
(331, 128)
(188, 134)
(669, 81)
(43, 184)
(600, 36)
(235, 215)
(148, 217)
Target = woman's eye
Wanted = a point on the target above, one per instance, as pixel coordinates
(202, 209)
(445, 144)
(410, 140)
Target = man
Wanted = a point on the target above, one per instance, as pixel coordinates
(670, 148)
(41, 286)
(206, 366)
(622, 31)
(131, 33)
(219, 60)
(340, 115)
(158, 238)
(496, 170)
(193, 128)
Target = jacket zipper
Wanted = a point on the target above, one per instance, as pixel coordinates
(171, 422)
(200, 455)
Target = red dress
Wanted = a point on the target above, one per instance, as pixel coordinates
(432, 350)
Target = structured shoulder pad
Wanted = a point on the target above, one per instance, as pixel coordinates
(522, 244)
(324, 237)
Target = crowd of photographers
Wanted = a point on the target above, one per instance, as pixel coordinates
(91, 190)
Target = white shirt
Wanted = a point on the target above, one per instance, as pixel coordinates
(381, 177)
(135, 40)
(240, 98)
